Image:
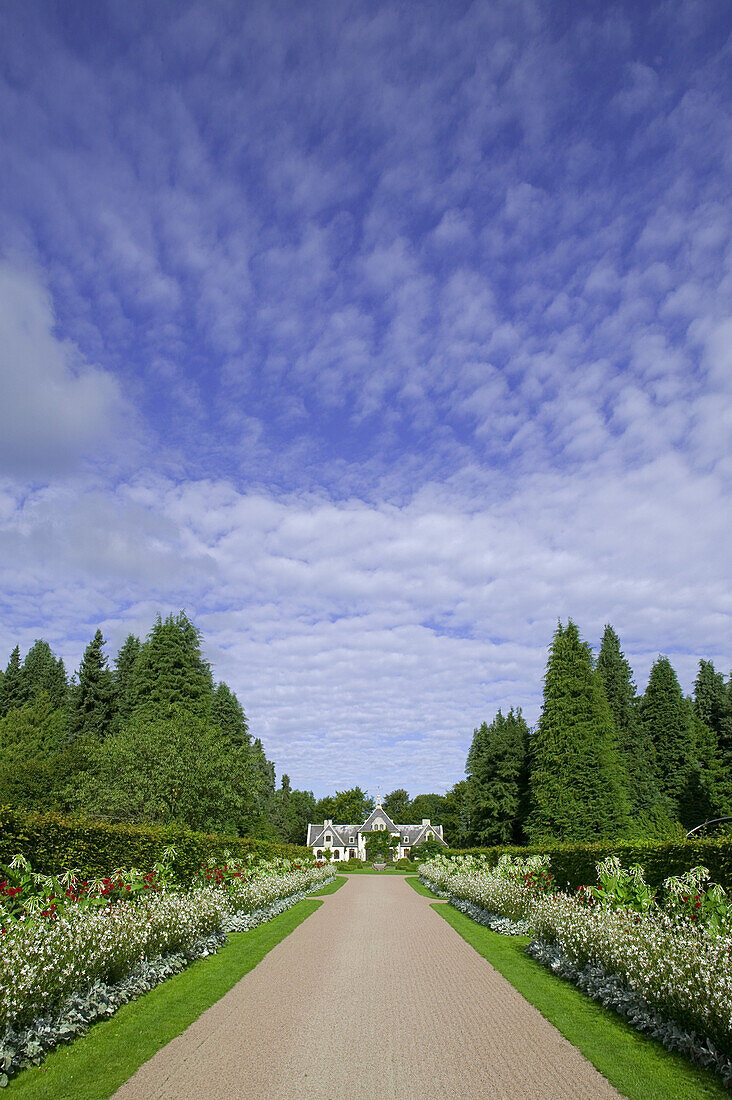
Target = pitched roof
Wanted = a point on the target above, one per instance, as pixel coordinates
(341, 834)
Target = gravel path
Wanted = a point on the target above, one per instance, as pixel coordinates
(373, 997)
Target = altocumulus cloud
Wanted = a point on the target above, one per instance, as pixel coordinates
(379, 338)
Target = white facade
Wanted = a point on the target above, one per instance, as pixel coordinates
(349, 841)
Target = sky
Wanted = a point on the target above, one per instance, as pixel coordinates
(379, 337)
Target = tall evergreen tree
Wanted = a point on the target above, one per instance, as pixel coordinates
(713, 705)
(636, 747)
(497, 769)
(228, 714)
(170, 670)
(283, 809)
(124, 678)
(42, 671)
(398, 806)
(258, 792)
(12, 694)
(669, 722)
(577, 785)
(302, 812)
(92, 707)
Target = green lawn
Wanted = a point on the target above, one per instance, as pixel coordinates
(93, 1068)
(370, 871)
(638, 1067)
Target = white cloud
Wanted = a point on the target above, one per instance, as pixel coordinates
(55, 409)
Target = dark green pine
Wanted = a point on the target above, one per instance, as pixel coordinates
(170, 670)
(669, 722)
(42, 671)
(498, 779)
(124, 678)
(92, 708)
(636, 747)
(12, 695)
(228, 714)
(577, 783)
(713, 705)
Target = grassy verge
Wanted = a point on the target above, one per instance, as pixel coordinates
(419, 887)
(92, 1068)
(330, 888)
(370, 871)
(638, 1067)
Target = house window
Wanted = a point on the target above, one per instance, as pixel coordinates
(336, 854)
(406, 840)
(351, 840)
(328, 838)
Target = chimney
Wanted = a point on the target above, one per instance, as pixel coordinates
(328, 824)
(425, 821)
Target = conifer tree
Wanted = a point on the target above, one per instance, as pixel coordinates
(669, 722)
(12, 694)
(712, 704)
(124, 678)
(228, 714)
(497, 769)
(170, 670)
(577, 784)
(635, 744)
(282, 808)
(92, 702)
(41, 671)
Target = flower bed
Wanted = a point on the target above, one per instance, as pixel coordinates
(662, 961)
(69, 955)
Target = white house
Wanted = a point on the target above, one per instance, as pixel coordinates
(349, 841)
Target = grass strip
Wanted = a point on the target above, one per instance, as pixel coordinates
(94, 1067)
(420, 887)
(330, 888)
(638, 1066)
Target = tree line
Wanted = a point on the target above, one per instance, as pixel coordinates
(150, 738)
(603, 762)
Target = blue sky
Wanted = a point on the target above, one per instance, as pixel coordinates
(379, 336)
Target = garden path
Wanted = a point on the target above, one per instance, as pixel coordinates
(373, 996)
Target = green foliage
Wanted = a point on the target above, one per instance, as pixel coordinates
(36, 763)
(350, 807)
(228, 714)
(11, 690)
(428, 849)
(379, 845)
(577, 784)
(649, 809)
(670, 725)
(173, 768)
(497, 769)
(53, 843)
(92, 706)
(574, 865)
(398, 806)
(41, 671)
(713, 704)
(258, 792)
(124, 677)
(170, 670)
(292, 812)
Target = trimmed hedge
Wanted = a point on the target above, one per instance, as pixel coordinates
(52, 843)
(573, 865)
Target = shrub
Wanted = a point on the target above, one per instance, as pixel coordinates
(52, 842)
(573, 865)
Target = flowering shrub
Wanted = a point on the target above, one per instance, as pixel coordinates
(507, 891)
(679, 969)
(662, 959)
(67, 944)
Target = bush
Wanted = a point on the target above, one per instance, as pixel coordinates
(573, 865)
(52, 842)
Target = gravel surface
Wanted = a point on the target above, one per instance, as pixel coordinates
(373, 997)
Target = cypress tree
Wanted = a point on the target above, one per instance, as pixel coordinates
(12, 693)
(636, 748)
(669, 722)
(124, 678)
(170, 670)
(497, 769)
(227, 713)
(577, 784)
(92, 702)
(712, 704)
(41, 671)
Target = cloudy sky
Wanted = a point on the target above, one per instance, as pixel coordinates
(379, 336)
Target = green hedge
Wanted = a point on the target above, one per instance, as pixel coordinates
(573, 865)
(53, 843)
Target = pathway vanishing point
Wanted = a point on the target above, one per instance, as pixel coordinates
(373, 997)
